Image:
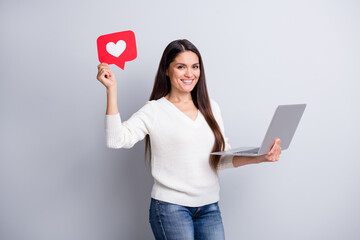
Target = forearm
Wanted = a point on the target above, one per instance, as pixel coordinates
(244, 160)
(112, 107)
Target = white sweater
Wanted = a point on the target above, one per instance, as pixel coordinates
(180, 150)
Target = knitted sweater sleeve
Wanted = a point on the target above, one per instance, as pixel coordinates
(126, 134)
(225, 160)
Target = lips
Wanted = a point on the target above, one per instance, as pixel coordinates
(187, 81)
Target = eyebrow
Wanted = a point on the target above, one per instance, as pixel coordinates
(185, 64)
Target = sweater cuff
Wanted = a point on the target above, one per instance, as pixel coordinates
(226, 161)
(112, 122)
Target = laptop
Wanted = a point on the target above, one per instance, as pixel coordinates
(283, 126)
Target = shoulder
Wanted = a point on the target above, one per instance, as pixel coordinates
(214, 106)
(152, 106)
(153, 103)
(217, 113)
(148, 108)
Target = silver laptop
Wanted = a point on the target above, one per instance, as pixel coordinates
(283, 125)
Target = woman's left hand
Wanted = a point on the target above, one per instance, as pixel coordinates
(274, 153)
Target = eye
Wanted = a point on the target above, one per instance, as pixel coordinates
(180, 67)
(196, 66)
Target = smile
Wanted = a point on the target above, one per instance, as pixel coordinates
(187, 81)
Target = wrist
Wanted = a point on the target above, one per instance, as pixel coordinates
(257, 159)
(111, 90)
(245, 160)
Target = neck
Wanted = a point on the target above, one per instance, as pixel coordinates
(179, 97)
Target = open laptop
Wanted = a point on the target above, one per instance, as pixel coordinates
(283, 125)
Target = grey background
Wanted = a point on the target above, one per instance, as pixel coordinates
(59, 181)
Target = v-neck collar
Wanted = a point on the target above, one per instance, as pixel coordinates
(182, 113)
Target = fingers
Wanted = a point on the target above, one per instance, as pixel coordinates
(279, 148)
(275, 151)
(275, 146)
(102, 64)
(103, 72)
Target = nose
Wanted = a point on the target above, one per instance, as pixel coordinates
(188, 73)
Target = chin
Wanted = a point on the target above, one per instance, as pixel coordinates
(189, 90)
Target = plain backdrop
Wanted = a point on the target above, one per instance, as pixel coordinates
(59, 181)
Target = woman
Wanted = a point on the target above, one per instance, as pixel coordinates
(182, 125)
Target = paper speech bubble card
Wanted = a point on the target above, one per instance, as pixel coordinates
(117, 48)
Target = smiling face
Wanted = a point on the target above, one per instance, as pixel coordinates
(184, 72)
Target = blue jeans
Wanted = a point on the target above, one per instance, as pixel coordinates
(170, 221)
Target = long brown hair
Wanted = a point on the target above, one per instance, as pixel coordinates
(199, 94)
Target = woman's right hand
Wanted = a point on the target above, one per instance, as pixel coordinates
(106, 77)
